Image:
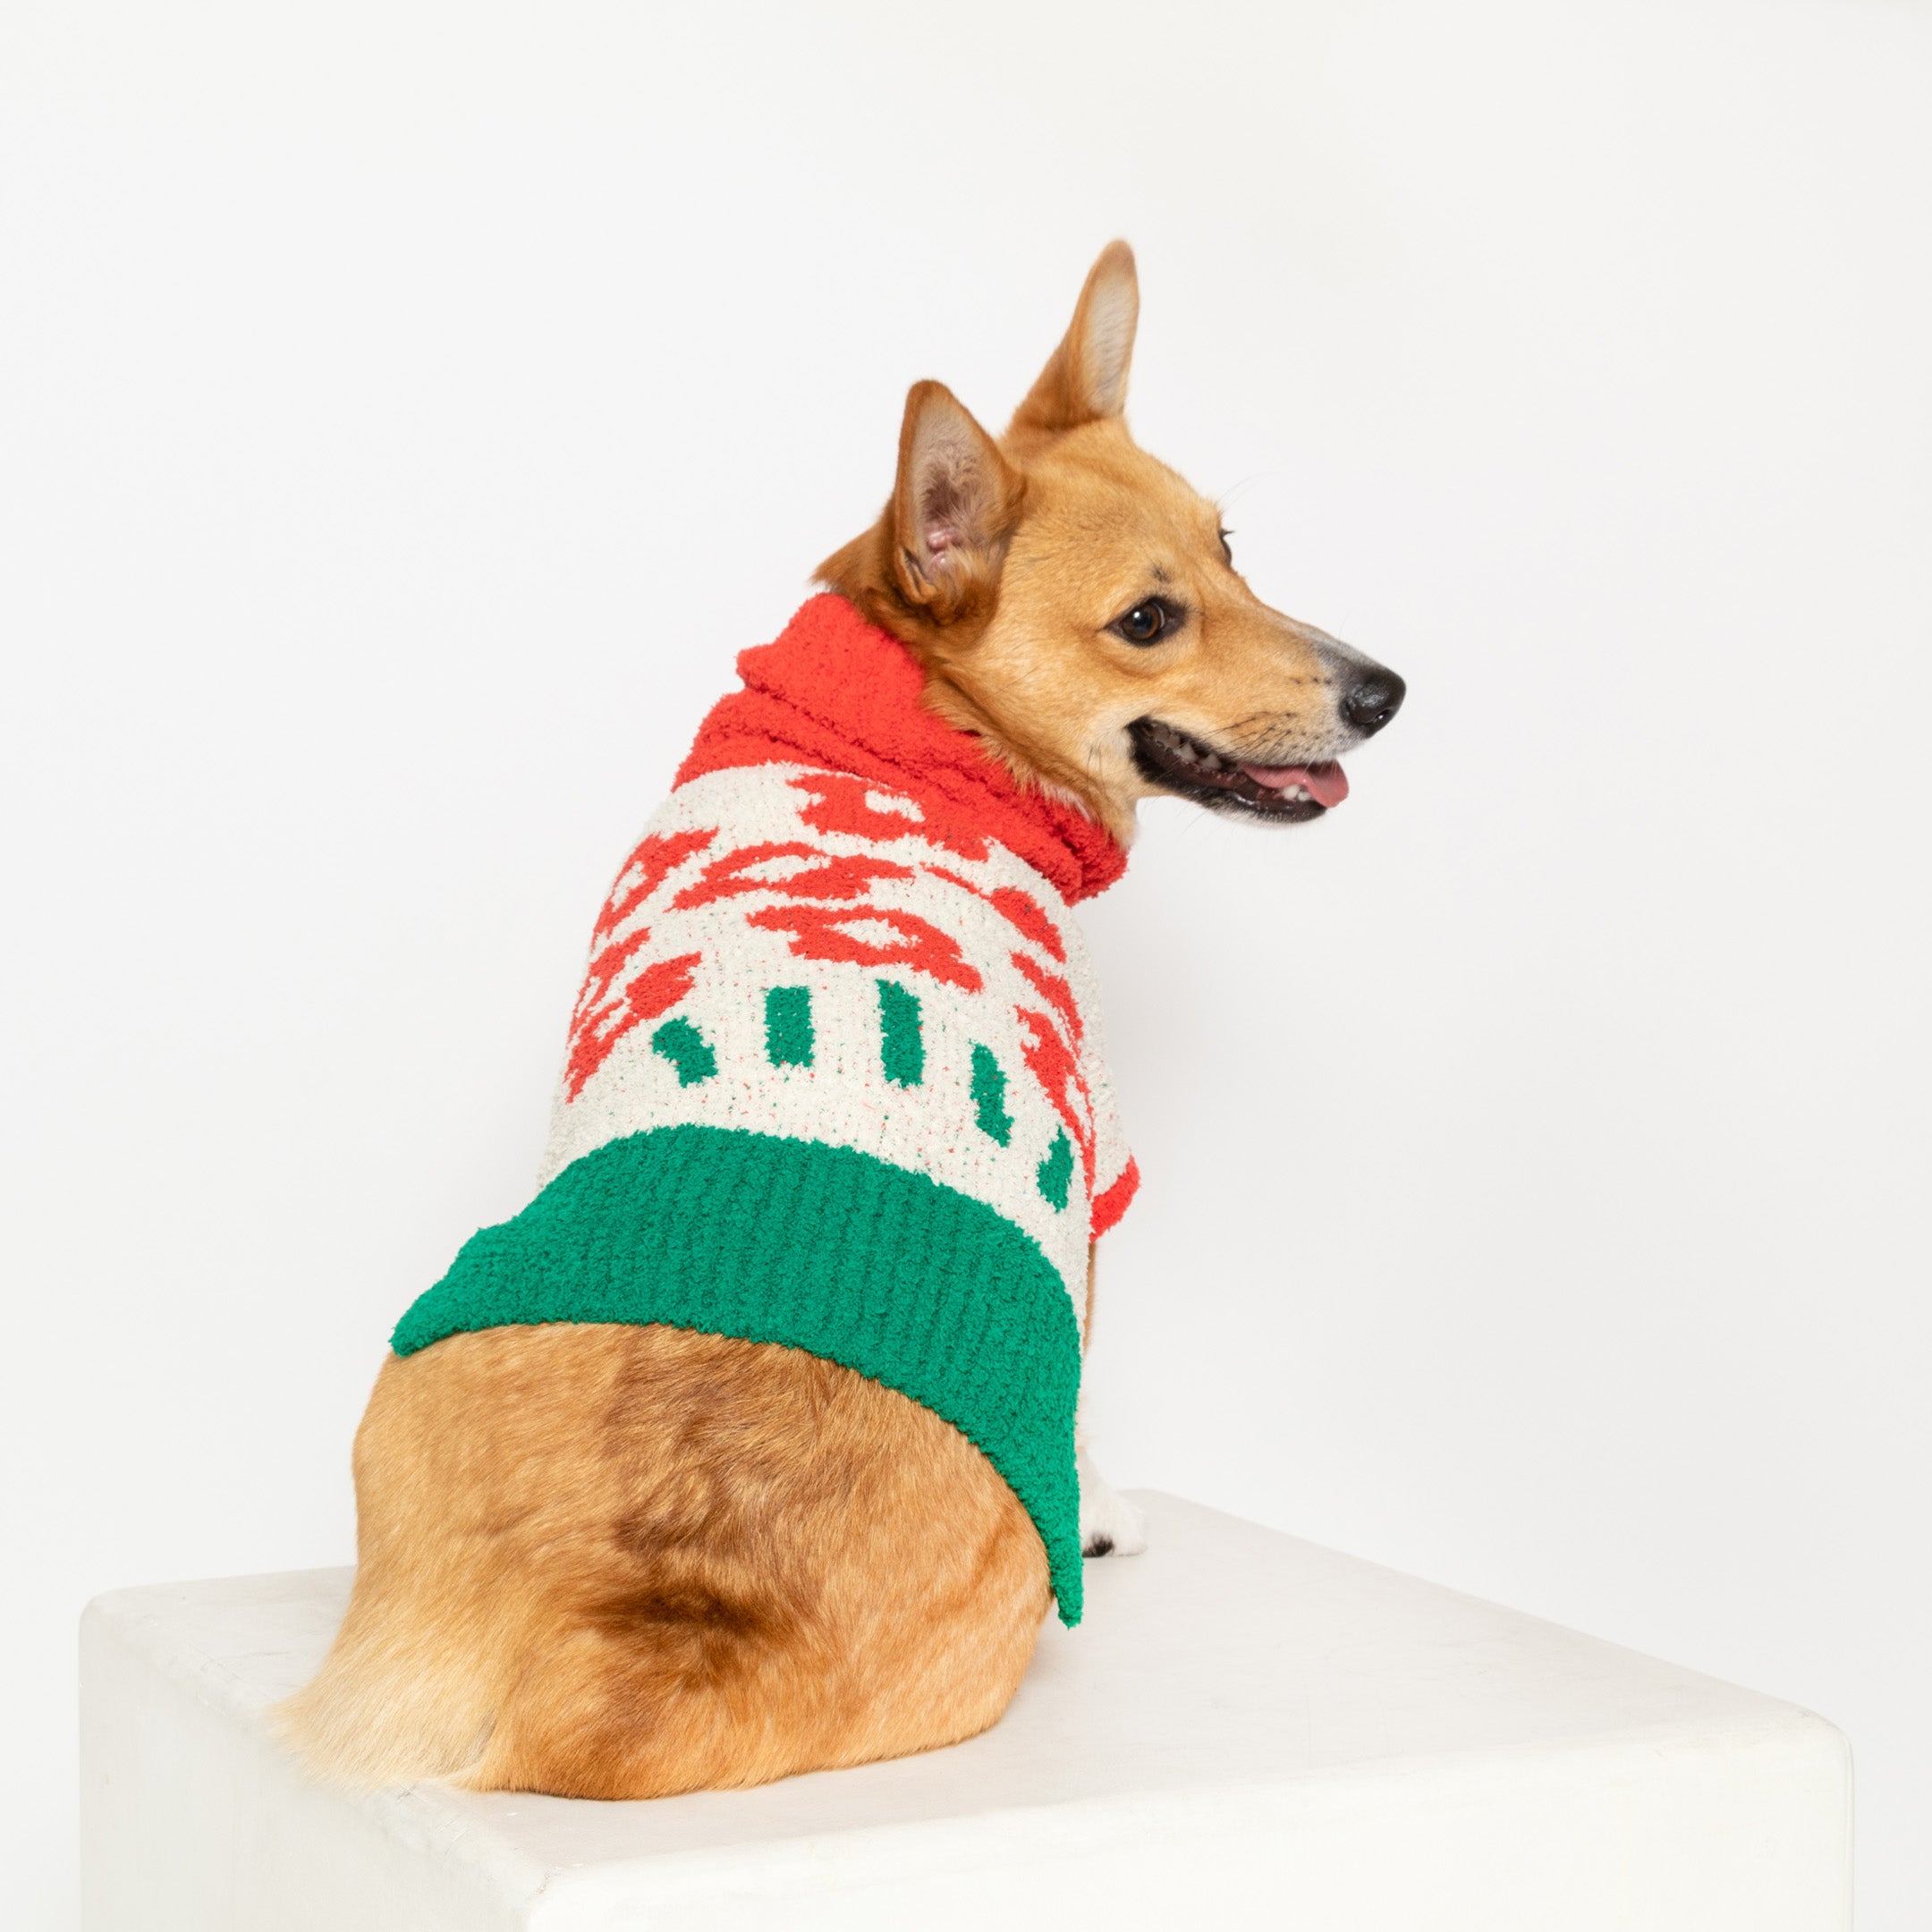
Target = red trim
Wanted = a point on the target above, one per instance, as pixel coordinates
(838, 693)
(1109, 1207)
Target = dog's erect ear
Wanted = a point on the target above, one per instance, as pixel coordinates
(954, 506)
(1087, 378)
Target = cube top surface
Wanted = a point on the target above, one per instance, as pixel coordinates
(1227, 1657)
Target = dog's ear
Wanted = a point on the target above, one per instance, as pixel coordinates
(954, 506)
(1086, 378)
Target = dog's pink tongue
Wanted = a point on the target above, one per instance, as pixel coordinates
(1326, 783)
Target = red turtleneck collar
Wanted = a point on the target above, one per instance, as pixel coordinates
(839, 693)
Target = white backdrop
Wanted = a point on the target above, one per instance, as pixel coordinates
(409, 409)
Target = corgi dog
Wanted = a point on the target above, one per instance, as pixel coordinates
(749, 1447)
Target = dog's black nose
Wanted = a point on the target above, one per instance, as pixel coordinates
(1373, 699)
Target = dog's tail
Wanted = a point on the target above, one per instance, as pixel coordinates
(664, 1687)
(394, 1701)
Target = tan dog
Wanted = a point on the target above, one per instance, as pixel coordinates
(613, 1561)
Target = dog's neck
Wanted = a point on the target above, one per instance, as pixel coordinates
(862, 574)
(837, 691)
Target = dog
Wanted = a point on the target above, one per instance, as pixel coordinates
(749, 1447)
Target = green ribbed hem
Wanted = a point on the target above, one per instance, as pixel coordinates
(825, 1249)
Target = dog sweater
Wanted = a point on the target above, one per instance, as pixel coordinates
(834, 1079)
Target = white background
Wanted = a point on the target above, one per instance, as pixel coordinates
(410, 411)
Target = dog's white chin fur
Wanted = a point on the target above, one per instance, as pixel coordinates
(1109, 1524)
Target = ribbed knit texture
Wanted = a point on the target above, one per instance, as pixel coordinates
(834, 1079)
(923, 1289)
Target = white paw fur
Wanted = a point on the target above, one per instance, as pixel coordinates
(1109, 1524)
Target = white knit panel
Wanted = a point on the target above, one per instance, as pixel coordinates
(843, 1098)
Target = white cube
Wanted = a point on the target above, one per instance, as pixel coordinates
(1246, 1731)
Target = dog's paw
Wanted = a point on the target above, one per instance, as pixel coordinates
(1109, 1524)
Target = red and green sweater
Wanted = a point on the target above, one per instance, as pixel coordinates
(834, 1079)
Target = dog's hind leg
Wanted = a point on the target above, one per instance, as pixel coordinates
(803, 1570)
(621, 1561)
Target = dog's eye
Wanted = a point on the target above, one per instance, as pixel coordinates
(1144, 623)
(1227, 548)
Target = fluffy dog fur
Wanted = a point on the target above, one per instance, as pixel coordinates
(621, 1561)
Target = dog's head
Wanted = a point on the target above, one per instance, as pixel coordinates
(1076, 604)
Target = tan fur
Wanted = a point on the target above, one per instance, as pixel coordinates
(1073, 523)
(621, 1561)
(617, 1563)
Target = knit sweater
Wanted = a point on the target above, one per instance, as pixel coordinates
(834, 1079)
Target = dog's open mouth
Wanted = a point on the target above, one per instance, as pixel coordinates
(1180, 763)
